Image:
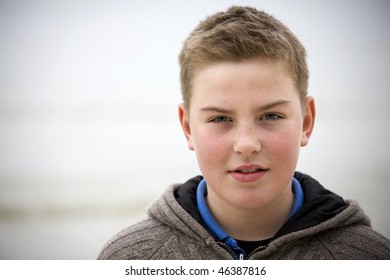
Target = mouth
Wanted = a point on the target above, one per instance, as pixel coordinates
(251, 168)
(248, 173)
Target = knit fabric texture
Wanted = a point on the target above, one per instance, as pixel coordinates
(171, 233)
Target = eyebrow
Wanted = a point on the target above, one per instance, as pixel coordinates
(265, 107)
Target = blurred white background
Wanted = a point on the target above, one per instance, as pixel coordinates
(89, 134)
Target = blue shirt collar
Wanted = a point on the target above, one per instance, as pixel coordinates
(217, 230)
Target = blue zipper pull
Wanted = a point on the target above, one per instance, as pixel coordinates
(240, 253)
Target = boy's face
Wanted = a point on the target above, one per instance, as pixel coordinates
(246, 125)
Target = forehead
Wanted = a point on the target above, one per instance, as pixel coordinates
(238, 80)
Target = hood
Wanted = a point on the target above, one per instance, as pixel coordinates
(168, 211)
(322, 210)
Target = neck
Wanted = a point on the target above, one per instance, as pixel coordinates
(251, 224)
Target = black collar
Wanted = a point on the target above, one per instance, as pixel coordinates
(320, 205)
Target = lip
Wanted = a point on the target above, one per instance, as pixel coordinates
(253, 173)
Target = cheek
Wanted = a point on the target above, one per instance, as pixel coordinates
(285, 145)
(210, 148)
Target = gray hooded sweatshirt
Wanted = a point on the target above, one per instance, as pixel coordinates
(327, 227)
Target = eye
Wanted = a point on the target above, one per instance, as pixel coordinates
(220, 119)
(271, 116)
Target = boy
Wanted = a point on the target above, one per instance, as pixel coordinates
(246, 114)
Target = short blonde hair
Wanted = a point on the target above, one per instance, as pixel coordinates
(239, 34)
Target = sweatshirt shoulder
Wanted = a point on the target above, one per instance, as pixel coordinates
(349, 235)
(356, 242)
(352, 242)
(138, 241)
(152, 239)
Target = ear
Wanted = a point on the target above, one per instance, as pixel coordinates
(309, 116)
(185, 124)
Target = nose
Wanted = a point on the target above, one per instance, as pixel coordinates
(247, 141)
